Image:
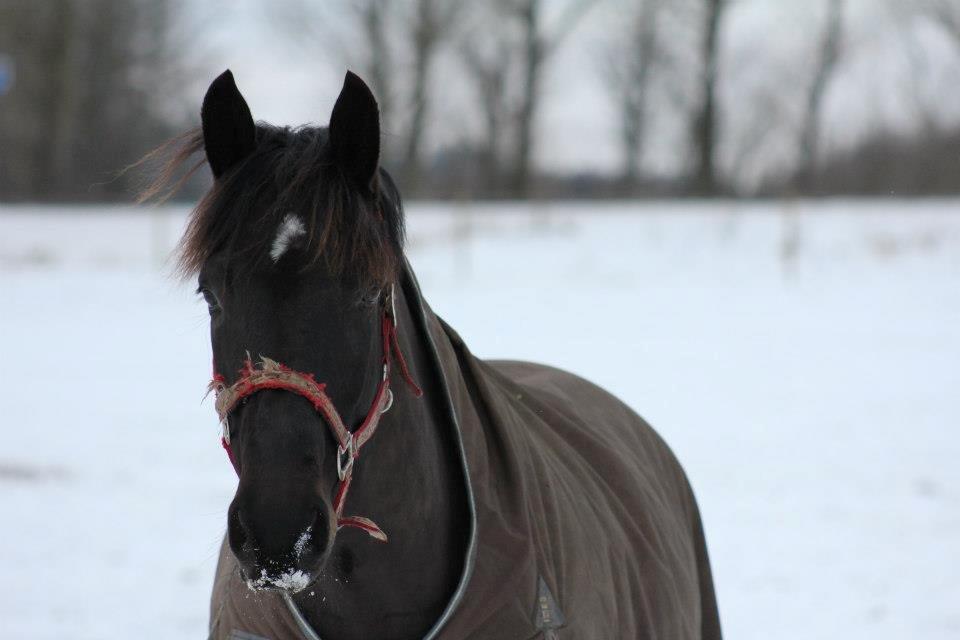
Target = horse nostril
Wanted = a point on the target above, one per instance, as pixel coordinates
(313, 543)
(237, 532)
(277, 541)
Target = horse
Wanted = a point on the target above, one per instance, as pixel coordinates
(391, 485)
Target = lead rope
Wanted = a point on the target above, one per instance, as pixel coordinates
(274, 375)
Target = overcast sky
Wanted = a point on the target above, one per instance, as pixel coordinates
(767, 44)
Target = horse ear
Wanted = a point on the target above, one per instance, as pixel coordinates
(229, 133)
(355, 131)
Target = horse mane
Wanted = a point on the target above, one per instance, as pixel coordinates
(352, 231)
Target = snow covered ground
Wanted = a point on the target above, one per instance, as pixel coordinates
(802, 359)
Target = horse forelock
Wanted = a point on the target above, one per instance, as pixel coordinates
(290, 173)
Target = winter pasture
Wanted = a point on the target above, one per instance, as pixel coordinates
(802, 359)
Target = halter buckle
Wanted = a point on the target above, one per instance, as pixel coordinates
(343, 468)
(389, 401)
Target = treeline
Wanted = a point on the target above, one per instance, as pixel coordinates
(83, 103)
(496, 56)
(737, 116)
(886, 163)
(699, 109)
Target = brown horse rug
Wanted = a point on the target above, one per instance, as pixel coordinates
(583, 523)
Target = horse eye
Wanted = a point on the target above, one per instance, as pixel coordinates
(211, 300)
(371, 297)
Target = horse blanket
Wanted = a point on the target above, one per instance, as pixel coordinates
(583, 523)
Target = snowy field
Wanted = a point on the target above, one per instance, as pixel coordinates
(803, 360)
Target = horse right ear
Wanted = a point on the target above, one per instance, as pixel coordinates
(229, 134)
(355, 131)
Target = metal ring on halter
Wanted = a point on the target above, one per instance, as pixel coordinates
(225, 427)
(389, 401)
(344, 469)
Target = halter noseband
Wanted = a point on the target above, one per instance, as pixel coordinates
(271, 374)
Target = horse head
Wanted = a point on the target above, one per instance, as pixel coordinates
(296, 247)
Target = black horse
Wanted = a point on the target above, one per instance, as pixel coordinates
(486, 499)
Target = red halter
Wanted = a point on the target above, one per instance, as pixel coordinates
(273, 375)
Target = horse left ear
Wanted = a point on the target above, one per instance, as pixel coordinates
(355, 131)
(229, 134)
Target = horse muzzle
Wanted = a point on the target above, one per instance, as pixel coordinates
(276, 557)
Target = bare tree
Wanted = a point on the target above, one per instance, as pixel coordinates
(394, 45)
(65, 130)
(361, 34)
(487, 61)
(705, 120)
(629, 66)
(538, 42)
(431, 22)
(533, 48)
(378, 66)
(828, 57)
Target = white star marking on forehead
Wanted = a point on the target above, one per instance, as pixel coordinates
(289, 230)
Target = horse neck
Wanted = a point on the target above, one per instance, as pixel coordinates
(409, 480)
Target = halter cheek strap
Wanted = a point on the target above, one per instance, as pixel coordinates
(270, 374)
